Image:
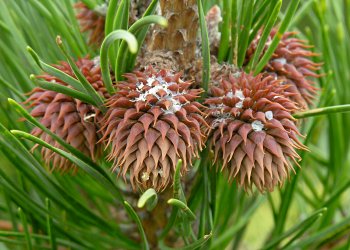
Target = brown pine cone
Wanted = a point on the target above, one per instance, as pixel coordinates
(69, 118)
(152, 122)
(92, 21)
(291, 63)
(253, 133)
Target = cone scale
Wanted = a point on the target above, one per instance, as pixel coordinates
(152, 122)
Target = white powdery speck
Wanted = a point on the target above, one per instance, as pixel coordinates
(158, 83)
(239, 94)
(140, 98)
(145, 176)
(237, 74)
(160, 172)
(177, 93)
(161, 80)
(218, 121)
(221, 117)
(269, 115)
(150, 80)
(229, 94)
(239, 104)
(257, 125)
(140, 85)
(281, 60)
(176, 106)
(216, 113)
(174, 101)
(221, 106)
(96, 61)
(154, 90)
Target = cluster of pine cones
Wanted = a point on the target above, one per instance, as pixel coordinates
(157, 116)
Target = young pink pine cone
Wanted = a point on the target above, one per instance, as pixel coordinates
(152, 122)
(253, 133)
(69, 118)
(291, 63)
(91, 21)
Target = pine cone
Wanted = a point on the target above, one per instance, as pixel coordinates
(92, 21)
(71, 119)
(159, 59)
(152, 122)
(217, 72)
(253, 133)
(291, 63)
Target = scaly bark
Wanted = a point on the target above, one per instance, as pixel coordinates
(179, 38)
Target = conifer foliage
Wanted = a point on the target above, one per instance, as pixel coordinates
(180, 120)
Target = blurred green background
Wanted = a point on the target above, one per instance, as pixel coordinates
(244, 221)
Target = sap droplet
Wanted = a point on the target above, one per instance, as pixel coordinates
(145, 176)
(269, 115)
(239, 94)
(281, 60)
(257, 125)
(239, 104)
